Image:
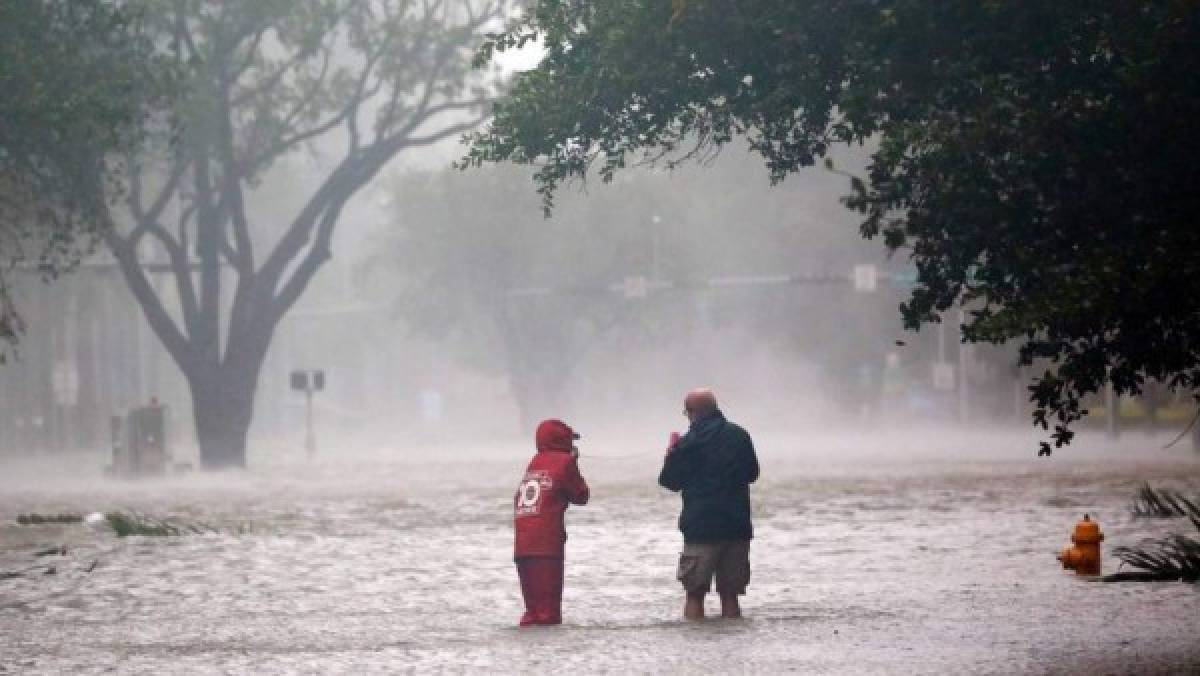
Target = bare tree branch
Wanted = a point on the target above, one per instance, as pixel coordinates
(125, 251)
(441, 134)
(283, 145)
(318, 253)
(268, 83)
(256, 36)
(346, 114)
(181, 271)
(242, 256)
(362, 93)
(298, 232)
(305, 100)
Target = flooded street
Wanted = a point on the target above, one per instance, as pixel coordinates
(934, 562)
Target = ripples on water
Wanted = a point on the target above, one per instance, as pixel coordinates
(861, 564)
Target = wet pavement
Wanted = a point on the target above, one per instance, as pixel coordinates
(927, 559)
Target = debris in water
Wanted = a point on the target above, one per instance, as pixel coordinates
(131, 523)
(37, 519)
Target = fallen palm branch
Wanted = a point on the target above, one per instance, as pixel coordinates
(1163, 503)
(125, 524)
(1174, 557)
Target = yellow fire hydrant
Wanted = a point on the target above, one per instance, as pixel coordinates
(1084, 556)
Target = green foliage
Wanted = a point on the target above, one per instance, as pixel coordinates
(1035, 160)
(76, 77)
(125, 524)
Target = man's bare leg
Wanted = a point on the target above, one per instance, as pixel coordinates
(730, 607)
(693, 608)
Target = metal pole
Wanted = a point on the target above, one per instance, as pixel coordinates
(942, 342)
(310, 442)
(1112, 409)
(962, 373)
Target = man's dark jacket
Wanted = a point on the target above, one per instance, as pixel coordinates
(714, 465)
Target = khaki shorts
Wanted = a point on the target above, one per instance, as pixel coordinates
(728, 561)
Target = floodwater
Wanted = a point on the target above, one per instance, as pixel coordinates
(870, 556)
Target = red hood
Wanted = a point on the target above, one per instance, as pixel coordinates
(555, 435)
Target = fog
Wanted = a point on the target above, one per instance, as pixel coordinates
(454, 312)
(393, 324)
(901, 504)
(452, 309)
(890, 515)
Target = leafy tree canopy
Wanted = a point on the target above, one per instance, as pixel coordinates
(1036, 160)
(75, 77)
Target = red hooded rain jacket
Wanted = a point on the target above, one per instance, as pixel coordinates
(552, 482)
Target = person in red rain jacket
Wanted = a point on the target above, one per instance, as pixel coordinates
(551, 483)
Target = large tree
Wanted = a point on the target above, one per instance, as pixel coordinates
(511, 294)
(543, 302)
(1037, 161)
(76, 77)
(355, 81)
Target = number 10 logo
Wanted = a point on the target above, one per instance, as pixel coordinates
(531, 491)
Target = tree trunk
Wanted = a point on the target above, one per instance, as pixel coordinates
(223, 406)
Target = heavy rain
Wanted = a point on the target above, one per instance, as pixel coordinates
(376, 336)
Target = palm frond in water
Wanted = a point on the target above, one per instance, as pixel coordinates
(1174, 557)
(131, 523)
(1163, 503)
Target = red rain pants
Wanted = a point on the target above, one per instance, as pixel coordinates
(541, 587)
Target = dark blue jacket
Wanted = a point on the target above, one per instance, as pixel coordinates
(714, 465)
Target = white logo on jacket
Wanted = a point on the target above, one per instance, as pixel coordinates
(529, 493)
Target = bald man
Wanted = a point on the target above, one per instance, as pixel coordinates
(713, 466)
